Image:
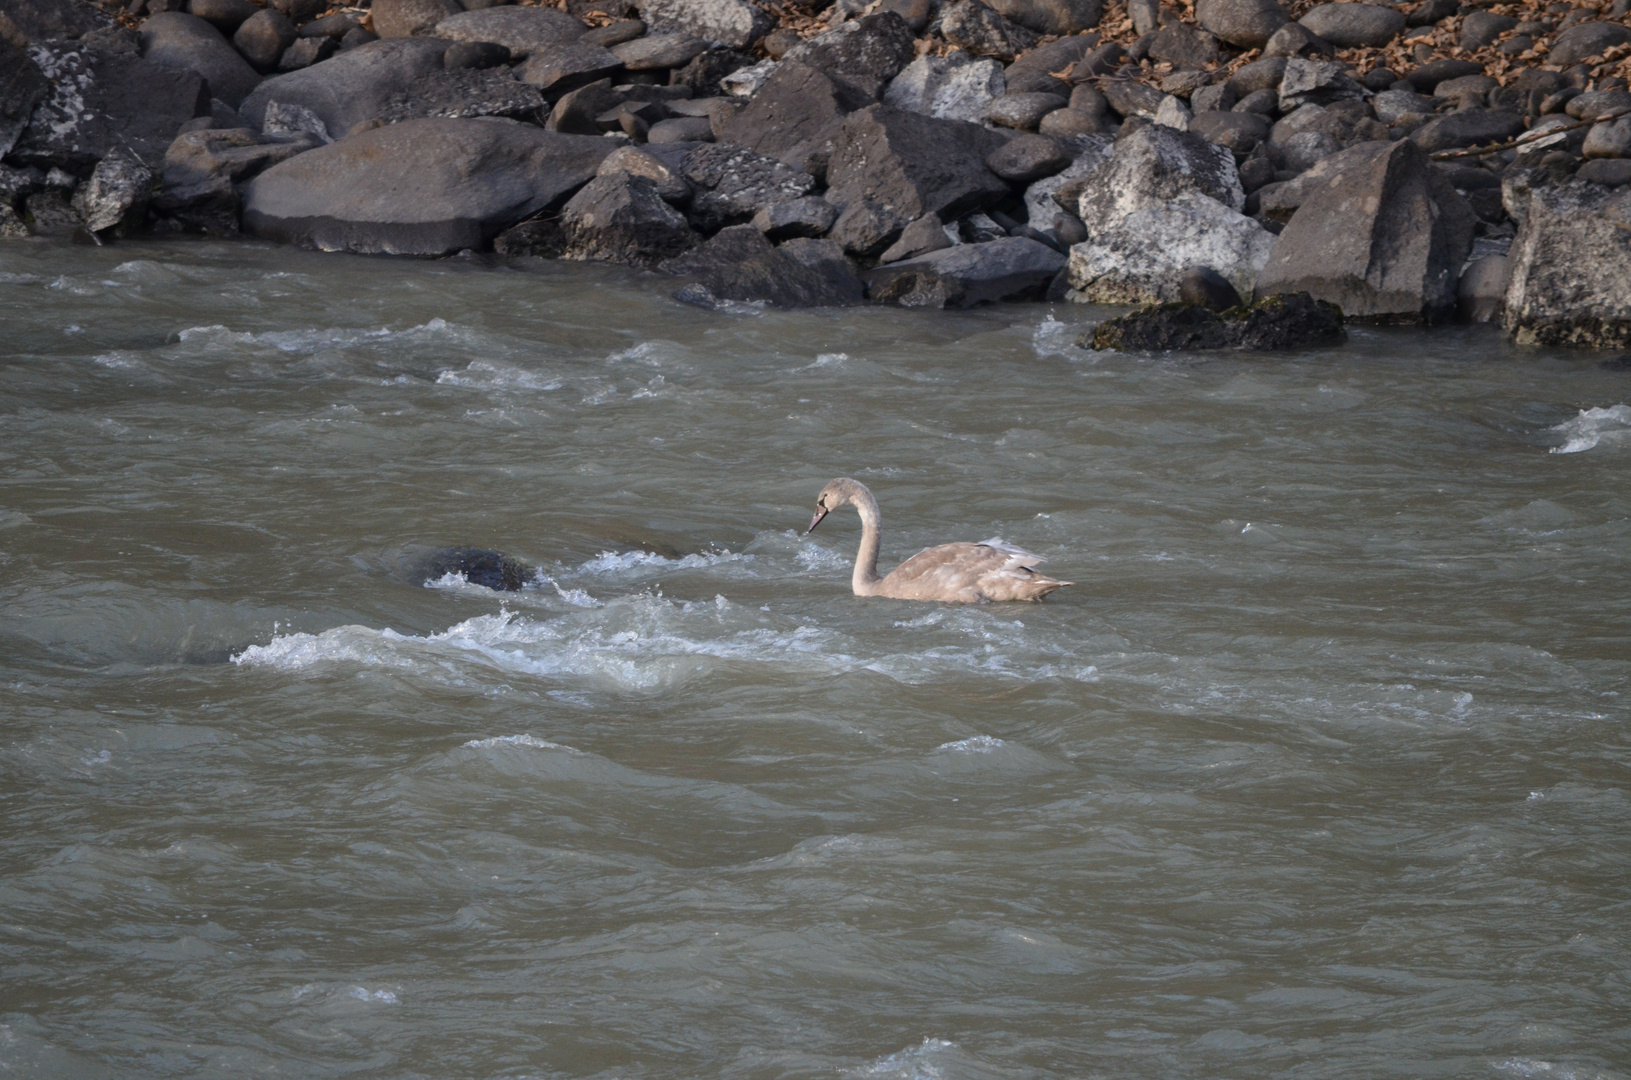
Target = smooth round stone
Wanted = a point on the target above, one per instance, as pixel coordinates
(1352, 26)
(1610, 172)
(678, 129)
(1261, 102)
(1429, 75)
(1481, 28)
(615, 33)
(1024, 111)
(1306, 148)
(1245, 23)
(1236, 131)
(1069, 123)
(659, 51)
(474, 55)
(263, 37)
(1466, 85)
(225, 15)
(1028, 157)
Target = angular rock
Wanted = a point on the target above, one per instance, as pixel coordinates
(1468, 127)
(732, 183)
(1481, 28)
(706, 73)
(614, 33)
(621, 218)
(465, 92)
(567, 66)
(115, 197)
(862, 56)
(1035, 70)
(1206, 287)
(1481, 294)
(952, 87)
(1132, 98)
(1383, 237)
(1012, 268)
(1028, 158)
(1353, 26)
(1240, 132)
(189, 43)
(98, 101)
(980, 31)
(225, 15)
(522, 30)
(1309, 118)
(1262, 74)
(671, 185)
(405, 18)
(1281, 321)
(1316, 82)
(47, 20)
(734, 23)
(576, 112)
(305, 52)
(1052, 17)
(659, 51)
(913, 164)
(22, 87)
(794, 117)
(1583, 41)
(354, 86)
(1140, 257)
(1304, 150)
(1245, 23)
(919, 237)
(866, 229)
(263, 37)
(740, 264)
(1041, 203)
(421, 187)
(826, 257)
(1184, 47)
(1295, 39)
(1609, 139)
(807, 217)
(1568, 267)
(1024, 111)
(1154, 165)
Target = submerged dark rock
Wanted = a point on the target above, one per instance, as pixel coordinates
(479, 566)
(1285, 321)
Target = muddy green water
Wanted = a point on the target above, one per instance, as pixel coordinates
(1321, 770)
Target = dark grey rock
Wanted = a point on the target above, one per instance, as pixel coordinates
(52, 20)
(1073, 124)
(733, 23)
(1262, 74)
(1568, 266)
(406, 18)
(1583, 41)
(1481, 28)
(1316, 82)
(1481, 293)
(1012, 268)
(1295, 39)
(465, 92)
(1264, 103)
(1024, 111)
(352, 86)
(22, 87)
(740, 265)
(479, 566)
(912, 164)
(188, 43)
(1390, 105)
(1184, 47)
(1304, 150)
(522, 30)
(1467, 90)
(1595, 104)
(614, 33)
(1027, 158)
(980, 31)
(1429, 12)
(477, 55)
(421, 187)
(300, 11)
(681, 129)
(826, 258)
(866, 229)
(305, 52)
(1608, 139)
(1206, 287)
(1609, 172)
(1468, 127)
(622, 218)
(914, 13)
(98, 101)
(706, 72)
(225, 15)
(636, 161)
(1353, 26)
(202, 169)
(860, 56)
(1103, 60)
(1246, 23)
(1132, 98)
(1214, 97)
(1382, 236)
(733, 182)
(1281, 321)
(1240, 132)
(659, 51)
(114, 199)
(795, 117)
(355, 38)
(926, 234)
(576, 112)
(263, 37)
(1309, 118)
(566, 67)
(1052, 17)
(1427, 77)
(798, 217)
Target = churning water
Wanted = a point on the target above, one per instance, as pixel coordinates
(1320, 771)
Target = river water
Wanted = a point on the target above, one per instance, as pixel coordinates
(1320, 769)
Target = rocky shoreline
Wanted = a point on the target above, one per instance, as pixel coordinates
(1411, 164)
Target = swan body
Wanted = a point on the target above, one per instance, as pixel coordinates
(952, 573)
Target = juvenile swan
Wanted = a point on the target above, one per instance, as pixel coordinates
(956, 573)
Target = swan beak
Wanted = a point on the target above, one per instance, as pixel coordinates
(821, 512)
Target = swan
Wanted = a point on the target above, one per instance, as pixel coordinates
(954, 573)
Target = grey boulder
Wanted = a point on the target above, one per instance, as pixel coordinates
(732, 183)
(45, 20)
(806, 217)
(659, 51)
(1027, 158)
(1246, 23)
(795, 117)
(735, 23)
(116, 194)
(22, 86)
(421, 187)
(622, 218)
(1568, 266)
(522, 30)
(354, 86)
(263, 37)
(740, 265)
(1585, 40)
(465, 92)
(861, 56)
(1352, 26)
(405, 18)
(1382, 236)
(952, 87)
(1468, 127)
(1052, 17)
(566, 67)
(910, 164)
(178, 40)
(1012, 268)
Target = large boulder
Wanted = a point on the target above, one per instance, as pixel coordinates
(909, 164)
(1052, 17)
(421, 187)
(566, 67)
(1468, 127)
(352, 87)
(22, 86)
(861, 56)
(980, 31)
(47, 20)
(405, 18)
(740, 265)
(115, 197)
(179, 40)
(795, 116)
(1383, 237)
(99, 100)
(1246, 23)
(622, 218)
(1585, 40)
(202, 171)
(1155, 165)
(1568, 266)
(1352, 26)
(1012, 268)
(464, 92)
(732, 183)
(1276, 322)
(736, 23)
(525, 31)
(952, 87)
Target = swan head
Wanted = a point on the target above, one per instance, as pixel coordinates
(836, 494)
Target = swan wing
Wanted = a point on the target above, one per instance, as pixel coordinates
(967, 573)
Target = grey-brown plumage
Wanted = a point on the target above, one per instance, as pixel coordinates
(954, 573)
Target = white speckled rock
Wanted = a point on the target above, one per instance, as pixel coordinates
(949, 87)
(1139, 258)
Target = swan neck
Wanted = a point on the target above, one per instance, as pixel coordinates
(866, 559)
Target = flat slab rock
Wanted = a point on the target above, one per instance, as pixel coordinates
(1012, 268)
(740, 265)
(1283, 321)
(421, 187)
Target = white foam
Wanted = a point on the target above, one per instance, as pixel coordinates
(484, 375)
(1054, 338)
(1611, 426)
(913, 1063)
(527, 741)
(612, 563)
(977, 744)
(314, 339)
